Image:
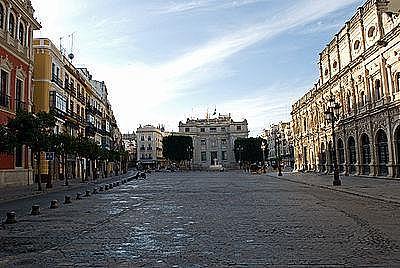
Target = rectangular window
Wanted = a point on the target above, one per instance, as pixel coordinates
(203, 142)
(18, 95)
(149, 138)
(223, 129)
(53, 69)
(187, 129)
(203, 156)
(223, 141)
(142, 138)
(202, 129)
(238, 128)
(224, 156)
(4, 82)
(213, 129)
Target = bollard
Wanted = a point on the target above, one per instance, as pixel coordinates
(11, 217)
(54, 204)
(110, 186)
(143, 175)
(78, 196)
(35, 210)
(106, 187)
(101, 189)
(117, 183)
(87, 193)
(67, 199)
(94, 191)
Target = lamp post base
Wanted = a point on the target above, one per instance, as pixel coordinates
(336, 179)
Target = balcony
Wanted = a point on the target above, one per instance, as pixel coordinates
(69, 87)
(90, 130)
(81, 98)
(92, 110)
(57, 80)
(5, 101)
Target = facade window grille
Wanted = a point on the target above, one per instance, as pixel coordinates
(11, 25)
(21, 35)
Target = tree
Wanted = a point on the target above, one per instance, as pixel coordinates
(178, 148)
(248, 150)
(7, 140)
(35, 131)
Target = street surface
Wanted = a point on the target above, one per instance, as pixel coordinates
(205, 219)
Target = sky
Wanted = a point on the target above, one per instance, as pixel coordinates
(167, 60)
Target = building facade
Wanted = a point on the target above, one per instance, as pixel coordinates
(130, 143)
(279, 139)
(80, 105)
(17, 24)
(360, 68)
(214, 139)
(149, 146)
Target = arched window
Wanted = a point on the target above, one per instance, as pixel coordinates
(11, 25)
(378, 94)
(352, 155)
(398, 82)
(362, 99)
(349, 103)
(383, 152)
(21, 35)
(1, 16)
(340, 148)
(366, 154)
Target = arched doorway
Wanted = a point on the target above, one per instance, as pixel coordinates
(340, 148)
(397, 144)
(365, 154)
(383, 152)
(322, 158)
(330, 158)
(352, 155)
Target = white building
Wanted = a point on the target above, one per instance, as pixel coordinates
(213, 140)
(149, 146)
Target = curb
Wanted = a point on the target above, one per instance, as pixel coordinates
(61, 189)
(364, 195)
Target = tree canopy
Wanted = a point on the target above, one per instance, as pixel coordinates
(178, 148)
(248, 150)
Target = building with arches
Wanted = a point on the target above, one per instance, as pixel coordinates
(360, 67)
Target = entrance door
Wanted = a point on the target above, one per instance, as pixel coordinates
(214, 158)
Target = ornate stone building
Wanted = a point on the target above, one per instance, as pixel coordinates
(214, 140)
(360, 67)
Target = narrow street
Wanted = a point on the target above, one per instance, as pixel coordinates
(206, 219)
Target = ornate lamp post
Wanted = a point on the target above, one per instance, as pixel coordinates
(332, 115)
(277, 151)
(263, 146)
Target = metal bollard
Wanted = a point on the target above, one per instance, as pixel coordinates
(117, 183)
(110, 186)
(95, 191)
(67, 199)
(101, 189)
(87, 193)
(11, 217)
(78, 196)
(106, 187)
(35, 210)
(54, 204)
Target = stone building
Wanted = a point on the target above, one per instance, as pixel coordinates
(130, 143)
(149, 146)
(17, 23)
(360, 67)
(279, 141)
(213, 140)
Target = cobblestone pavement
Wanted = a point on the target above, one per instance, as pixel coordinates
(200, 219)
(374, 187)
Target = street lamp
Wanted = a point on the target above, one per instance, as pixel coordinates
(277, 151)
(263, 146)
(332, 115)
(240, 149)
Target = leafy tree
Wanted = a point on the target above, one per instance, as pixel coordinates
(178, 148)
(34, 131)
(248, 150)
(7, 140)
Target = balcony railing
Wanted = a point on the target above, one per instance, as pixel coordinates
(5, 101)
(81, 98)
(57, 80)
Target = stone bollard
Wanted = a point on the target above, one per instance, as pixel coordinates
(78, 196)
(87, 193)
(11, 217)
(101, 189)
(67, 199)
(35, 210)
(94, 191)
(106, 187)
(54, 204)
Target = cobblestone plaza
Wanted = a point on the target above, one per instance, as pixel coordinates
(206, 219)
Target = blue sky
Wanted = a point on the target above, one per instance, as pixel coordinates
(166, 60)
